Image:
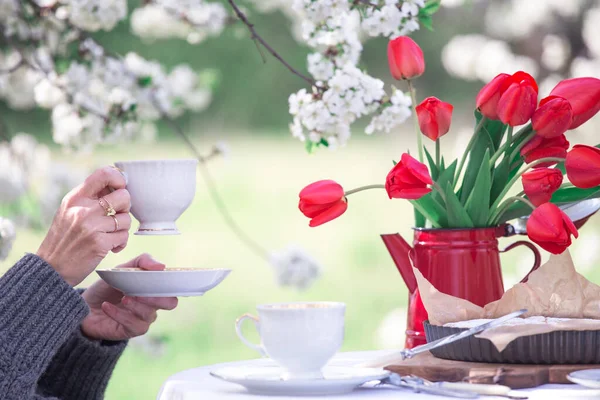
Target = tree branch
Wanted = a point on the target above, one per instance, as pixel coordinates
(213, 191)
(256, 37)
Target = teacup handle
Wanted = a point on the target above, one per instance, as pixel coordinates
(238, 329)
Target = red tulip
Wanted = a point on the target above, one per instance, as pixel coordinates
(408, 179)
(541, 147)
(518, 100)
(583, 166)
(553, 117)
(541, 183)
(584, 96)
(405, 58)
(322, 201)
(551, 228)
(434, 117)
(489, 95)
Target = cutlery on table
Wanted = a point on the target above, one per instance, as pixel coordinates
(409, 353)
(418, 385)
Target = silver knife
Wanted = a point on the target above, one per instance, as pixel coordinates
(409, 353)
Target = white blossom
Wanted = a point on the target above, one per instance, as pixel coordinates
(194, 20)
(94, 15)
(320, 67)
(295, 267)
(47, 95)
(391, 116)
(7, 237)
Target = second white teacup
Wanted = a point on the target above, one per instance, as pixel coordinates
(161, 190)
(300, 337)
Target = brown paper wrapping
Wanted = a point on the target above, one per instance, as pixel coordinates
(553, 290)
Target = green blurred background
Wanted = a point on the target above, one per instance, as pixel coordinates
(260, 181)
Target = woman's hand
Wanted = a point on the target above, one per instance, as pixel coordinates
(116, 317)
(82, 233)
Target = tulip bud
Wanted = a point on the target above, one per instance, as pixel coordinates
(553, 117)
(489, 95)
(408, 179)
(541, 183)
(583, 166)
(518, 100)
(584, 96)
(434, 117)
(405, 58)
(322, 201)
(541, 147)
(550, 228)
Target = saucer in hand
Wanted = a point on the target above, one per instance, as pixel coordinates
(267, 381)
(171, 282)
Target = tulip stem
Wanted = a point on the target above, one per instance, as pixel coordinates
(517, 149)
(413, 98)
(519, 174)
(510, 140)
(437, 153)
(504, 207)
(439, 189)
(360, 189)
(469, 146)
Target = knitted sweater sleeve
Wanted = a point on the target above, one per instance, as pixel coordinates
(81, 368)
(38, 313)
(43, 354)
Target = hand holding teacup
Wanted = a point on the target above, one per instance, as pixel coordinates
(92, 220)
(161, 190)
(300, 337)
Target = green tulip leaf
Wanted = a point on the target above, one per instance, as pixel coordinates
(487, 138)
(478, 203)
(445, 180)
(420, 219)
(433, 168)
(500, 179)
(456, 213)
(431, 209)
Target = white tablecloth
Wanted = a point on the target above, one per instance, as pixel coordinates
(197, 384)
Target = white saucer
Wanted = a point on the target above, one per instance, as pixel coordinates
(267, 380)
(175, 282)
(586, 377)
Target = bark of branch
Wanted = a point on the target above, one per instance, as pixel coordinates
(257, 38)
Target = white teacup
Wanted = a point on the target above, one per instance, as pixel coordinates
(300, 337)
(161, 190)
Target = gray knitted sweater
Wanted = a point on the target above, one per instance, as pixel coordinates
(43, 354)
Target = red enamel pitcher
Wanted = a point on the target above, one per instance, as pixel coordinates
(460, 262)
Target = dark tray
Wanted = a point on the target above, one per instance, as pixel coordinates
(559, 347)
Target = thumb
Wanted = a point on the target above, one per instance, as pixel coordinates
(145, 261)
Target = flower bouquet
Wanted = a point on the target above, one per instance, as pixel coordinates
(517, 140)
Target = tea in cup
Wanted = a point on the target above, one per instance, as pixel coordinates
(161, 190)
(300, 337)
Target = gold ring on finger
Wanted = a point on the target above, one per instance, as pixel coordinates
(108, 208)
(116, 222)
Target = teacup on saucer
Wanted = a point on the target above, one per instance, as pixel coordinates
(300, 337)
(161, 190)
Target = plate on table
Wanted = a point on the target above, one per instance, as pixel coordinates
(171, 282)
(589, 378)
(266, 380)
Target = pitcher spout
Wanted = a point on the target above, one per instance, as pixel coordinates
(400, 251)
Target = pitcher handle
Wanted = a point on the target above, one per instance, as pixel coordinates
(536, 254)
